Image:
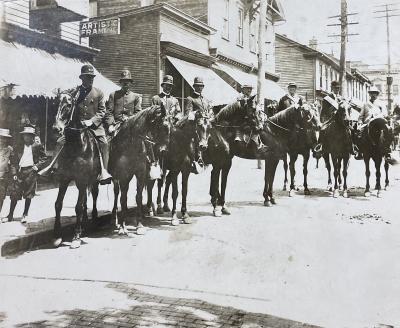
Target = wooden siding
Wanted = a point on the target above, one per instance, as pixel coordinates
(195, 8)
(106, 7)
(70, 32)
(137, 49)
(17, 12)
(291, 65)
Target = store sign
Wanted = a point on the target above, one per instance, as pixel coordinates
(99, 27)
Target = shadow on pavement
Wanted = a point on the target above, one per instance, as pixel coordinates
(153, 310)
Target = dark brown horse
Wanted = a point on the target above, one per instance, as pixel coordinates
(129, 157)
(178, 159)
(222, 146)
(277, 135)
(374, 142)
(337, 145)
(79, 161)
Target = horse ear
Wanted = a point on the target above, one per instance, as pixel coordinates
(251, 99)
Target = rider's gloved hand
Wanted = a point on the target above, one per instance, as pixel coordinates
(88, 123)
(111, 128)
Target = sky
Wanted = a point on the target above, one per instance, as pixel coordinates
(306, 19)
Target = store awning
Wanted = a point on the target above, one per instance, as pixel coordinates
(35, 72)
(272, 89)
(216, 89)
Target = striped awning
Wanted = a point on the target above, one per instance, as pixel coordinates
(35, 72)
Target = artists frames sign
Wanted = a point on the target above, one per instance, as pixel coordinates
(99, 27)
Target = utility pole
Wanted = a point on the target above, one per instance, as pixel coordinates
(261, 53)
(344, 36)
(389, 79)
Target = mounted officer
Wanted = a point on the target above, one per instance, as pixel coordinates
(91, 110)
(170, 103)
(197, 103)
(122, 104)
(291, 99)
(247, 90)
(372, 109)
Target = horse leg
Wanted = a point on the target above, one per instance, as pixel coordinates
(114, 214)
(336, 172)
(185, 181)
(328, 167)
(224, 180)
(386, 165)
(214, 190)
(124, 187)
(378, 162)
(140, 183)
(150, 205)
(292, 163)
(274, 164)
(367, 175)
(166, 192)
(345, 168)
(85, 217)
(79, 208)
(95, 195)
(306, 157)
(160, 183)
(285, 168)
(174, 182)
(62, 189)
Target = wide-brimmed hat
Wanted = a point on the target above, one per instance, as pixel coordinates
(125, 75)
(168, 79)
(198, 81)
(335, 84)
(373, 89)
(248, 86)
(5, 133)
(292, 84)
(28, 130)
(87, 70)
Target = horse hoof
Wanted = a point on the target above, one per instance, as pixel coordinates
(297, 188)
(151, 213)
(225, 211)
(166, 209)
(186, 218)
(379, 194)
(329, 188)
(367, 194)
(307, 192)
(57, 242)
(122, 231)
(217, 212)
(175, 221)
(267, 203)
(76, 243)
(345, 194)
(284, 188)
(291, 192)
(140, 230)
(273, 201)
(160, 210)
(336, 193)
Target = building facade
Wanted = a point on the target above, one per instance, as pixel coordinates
(314, 71)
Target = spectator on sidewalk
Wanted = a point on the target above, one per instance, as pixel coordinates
(5, 155)
(25, 163)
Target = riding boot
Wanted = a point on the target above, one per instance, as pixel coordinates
(197, 162)
(237, 135)
(105, 177)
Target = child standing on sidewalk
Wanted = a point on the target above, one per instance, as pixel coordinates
(5, 155)
(25, 163)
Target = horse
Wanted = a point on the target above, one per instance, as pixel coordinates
(277, 134)
(129, 156)
(79, 161)
(222, 146)
(337, 145)
(178, 159)
(374, 141)
(302, 140)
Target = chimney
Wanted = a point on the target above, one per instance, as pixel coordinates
(313, 43)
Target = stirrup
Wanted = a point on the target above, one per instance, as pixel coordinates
(105, 177)
(318, 148)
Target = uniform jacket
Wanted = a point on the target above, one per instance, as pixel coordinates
(327, 108)
(371, 110)
(171, 104)
(286, 101)
(197, 103)
(91, 106)
(6, 154)
(39, 157)
(122, 105)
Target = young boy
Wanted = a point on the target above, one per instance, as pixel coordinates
(25, 163)
(5, 155)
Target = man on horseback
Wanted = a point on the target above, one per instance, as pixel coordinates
(290, 99)
(170, 103)
(197, 103)
(91, 109)
(122, 104)
(247, 90)
(371, 110)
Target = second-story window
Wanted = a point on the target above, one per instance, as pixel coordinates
(239, 38)
(225, 27)
(320, 75)
(252, 36)
(93, 8)
(395, 90)
(326, 78)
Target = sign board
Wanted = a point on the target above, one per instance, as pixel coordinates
(99, 27)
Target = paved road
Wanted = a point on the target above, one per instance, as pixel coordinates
(317, 260)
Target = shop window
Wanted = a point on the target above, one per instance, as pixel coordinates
(225, 27)
(239, 39)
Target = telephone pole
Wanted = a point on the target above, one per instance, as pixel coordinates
(344, 35)
(388, 12)
(261, 52)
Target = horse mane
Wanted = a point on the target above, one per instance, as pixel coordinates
(226, 112)
(283, 116)
(139, 119)
(181, 123)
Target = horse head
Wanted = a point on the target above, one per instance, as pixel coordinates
(342, 114)
(202, 129)
(64, 112)
(379, 132)
(310, 116)
(161, 126)
(253, 116)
